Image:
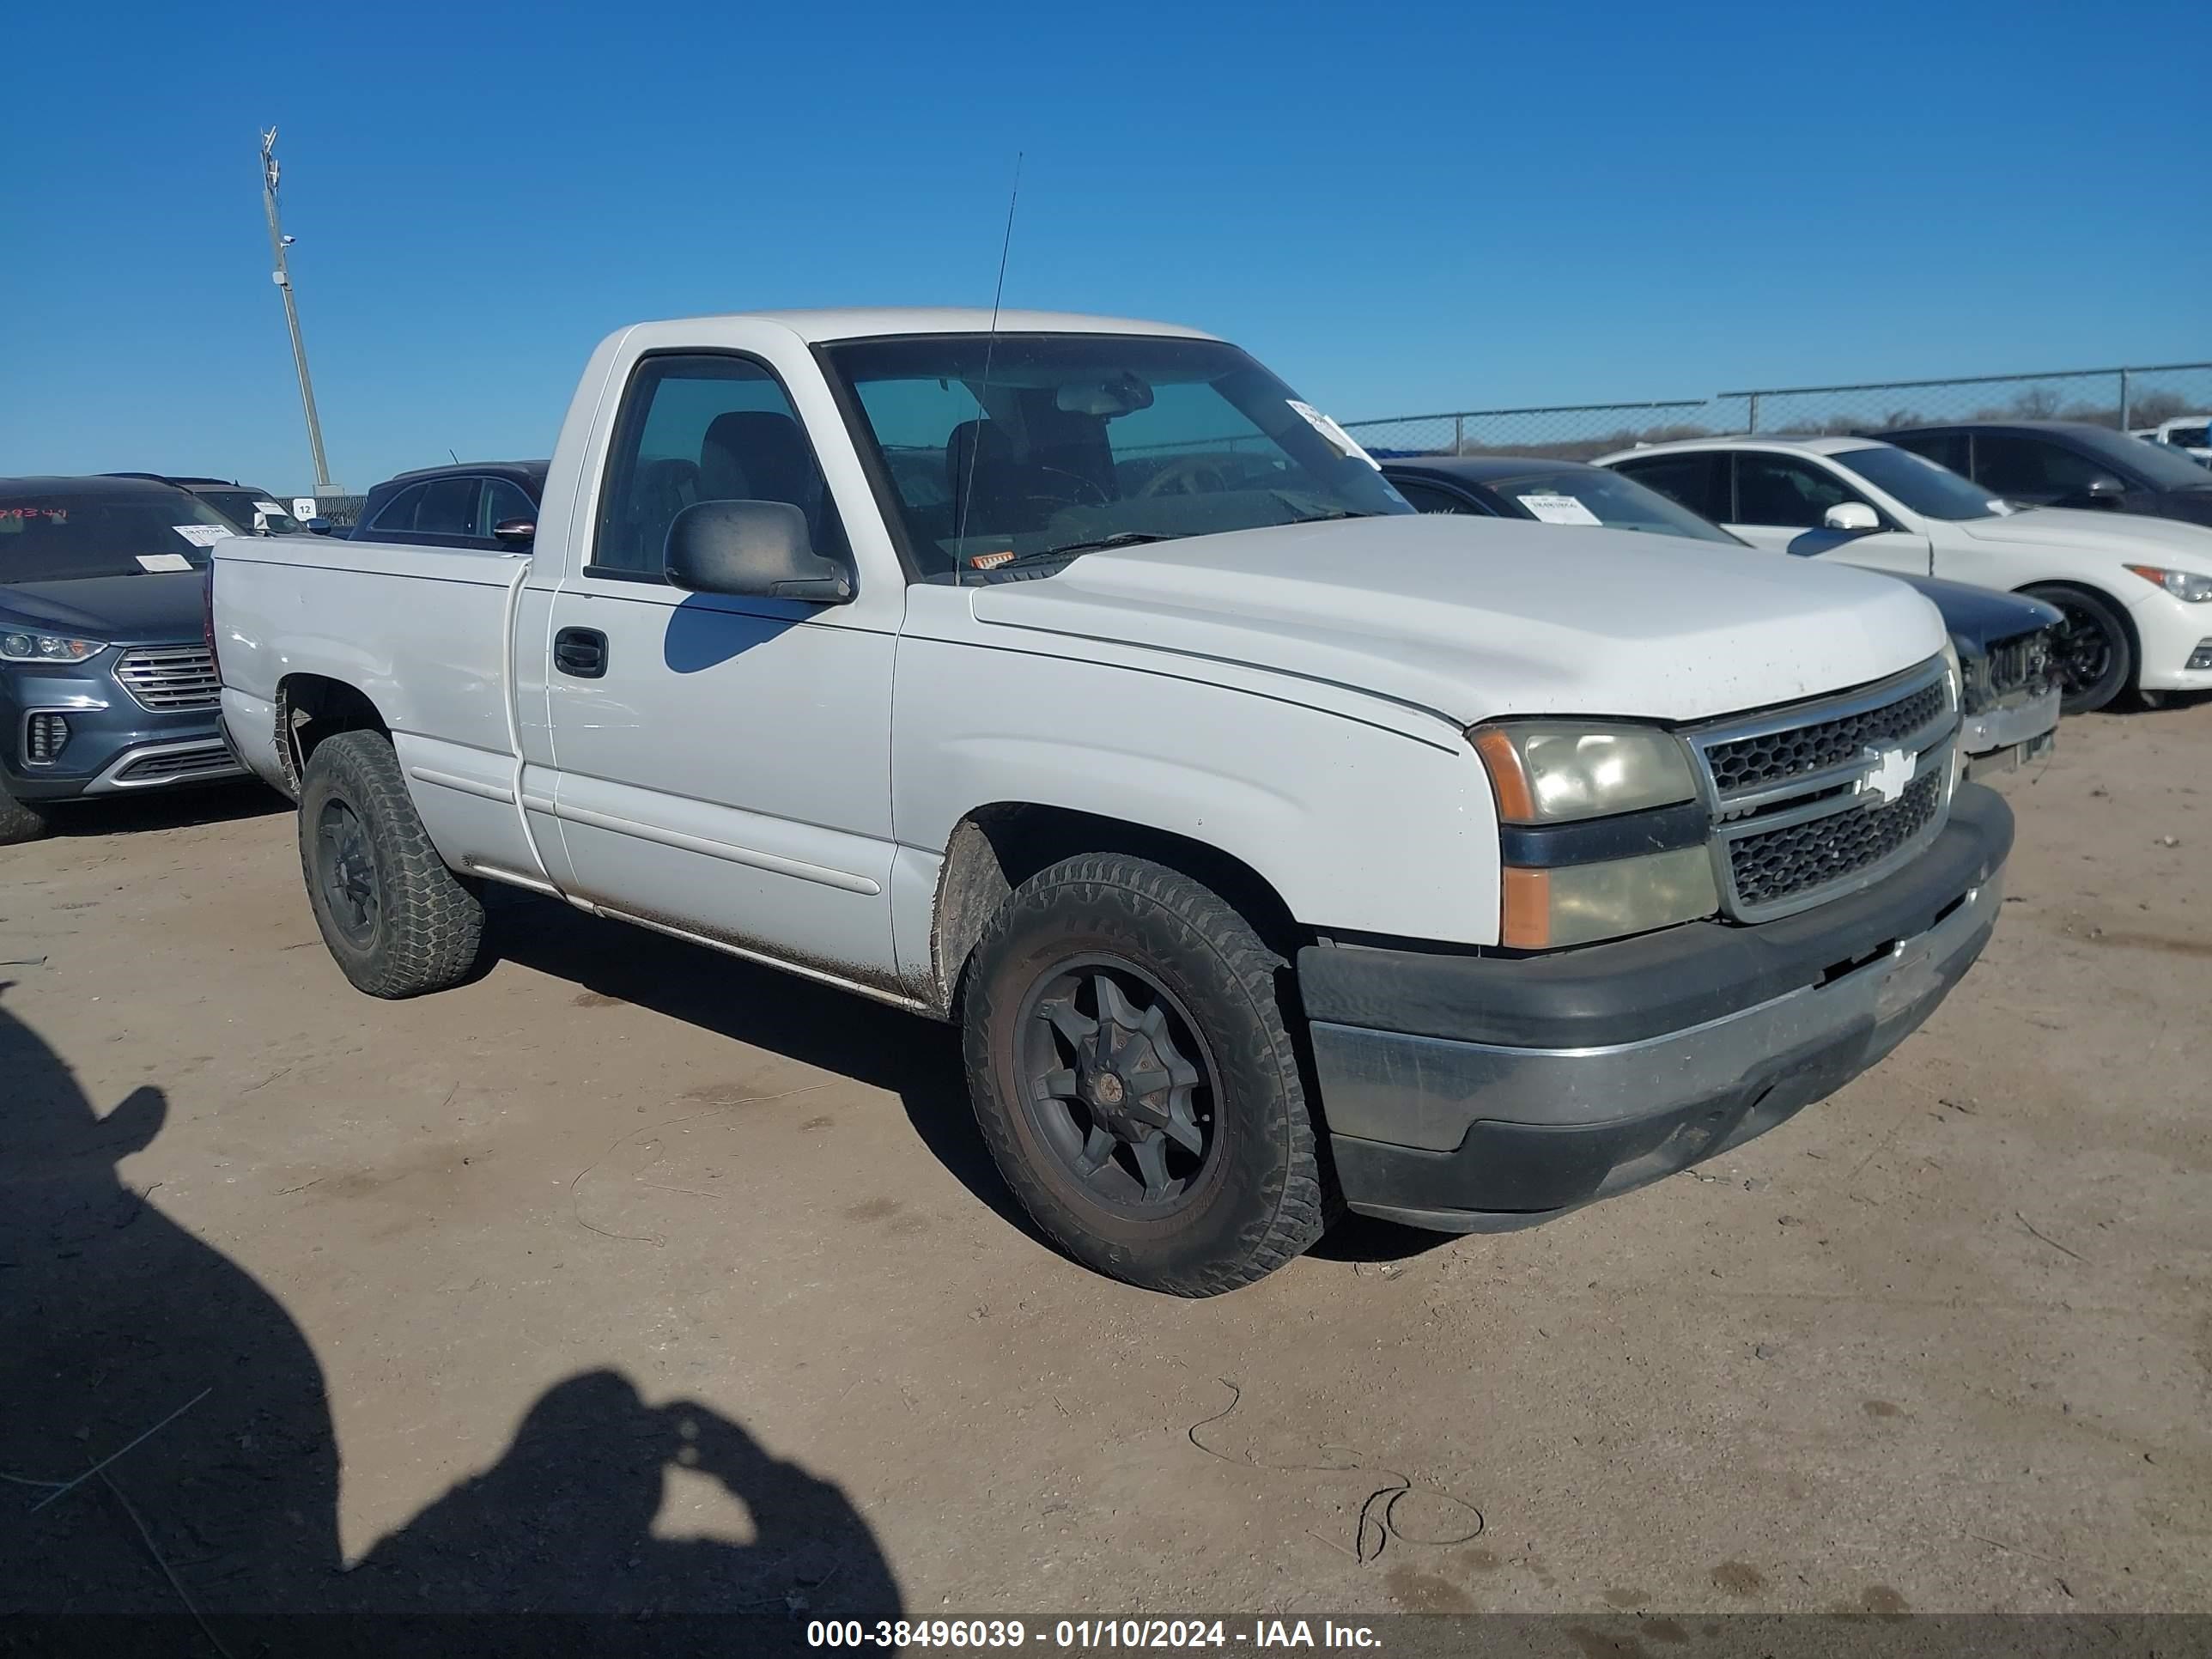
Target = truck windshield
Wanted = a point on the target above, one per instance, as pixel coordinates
(1066, 442)
(1932, 491)
(68, 535)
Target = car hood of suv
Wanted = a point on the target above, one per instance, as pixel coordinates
(2126, 536)
(1473, 618)
(158, 608)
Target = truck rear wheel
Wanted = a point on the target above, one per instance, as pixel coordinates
(19, 820)
(395, 918)
(1134, 1078)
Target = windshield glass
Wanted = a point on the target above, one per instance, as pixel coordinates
(1079, 438)
(1932, 491)
(251, 514)
(64, 535)
(2189, 437)
(1590, 495)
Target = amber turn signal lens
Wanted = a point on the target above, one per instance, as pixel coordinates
(1524, 921)
(1501, 759)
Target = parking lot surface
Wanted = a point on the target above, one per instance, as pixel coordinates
(627, 1274)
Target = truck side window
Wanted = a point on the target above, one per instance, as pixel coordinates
(703, 429)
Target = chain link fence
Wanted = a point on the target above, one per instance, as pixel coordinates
(1572, 432)
(2134, 398)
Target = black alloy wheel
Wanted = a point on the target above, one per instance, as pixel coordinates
(1120, 1084)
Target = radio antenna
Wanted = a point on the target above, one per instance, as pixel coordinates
(990, 344)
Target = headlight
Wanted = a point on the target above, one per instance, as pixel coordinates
(1569, 880)
(1555, 771)
(1957, 674)
(2182, 584)
(46, 647)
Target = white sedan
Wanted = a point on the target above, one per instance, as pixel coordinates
(2136, 591)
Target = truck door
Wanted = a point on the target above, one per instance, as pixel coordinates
(723, 763)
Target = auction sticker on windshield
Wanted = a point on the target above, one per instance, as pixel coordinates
(164, 560)
(1333, 434)
(1559, 509)
(203, 535)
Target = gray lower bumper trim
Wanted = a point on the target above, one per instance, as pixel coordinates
(2003, 728)
(1427, 1092)
(195, 760)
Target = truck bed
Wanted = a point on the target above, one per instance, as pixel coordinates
(422, 632)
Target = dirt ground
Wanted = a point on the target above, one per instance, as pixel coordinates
(628, 1265)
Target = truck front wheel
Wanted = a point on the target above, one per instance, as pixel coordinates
(394, 917)
(1134, 1078)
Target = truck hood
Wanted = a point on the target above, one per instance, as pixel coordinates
(1471, 618)
(157, 607)
(2129, 537)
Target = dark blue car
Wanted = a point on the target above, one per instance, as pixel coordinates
(107, 685)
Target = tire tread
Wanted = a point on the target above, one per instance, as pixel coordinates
(433, 926)
(1304, 1203)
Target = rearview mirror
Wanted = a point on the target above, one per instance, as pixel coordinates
(2104, 488)
(751, 550)
(320, 527)
(1855, 517)
(515, 533)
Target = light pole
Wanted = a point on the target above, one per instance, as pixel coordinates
(283, 276)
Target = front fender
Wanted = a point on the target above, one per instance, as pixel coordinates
(1357, 827)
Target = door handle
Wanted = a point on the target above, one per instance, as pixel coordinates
(580, 652)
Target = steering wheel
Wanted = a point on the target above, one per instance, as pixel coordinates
(1194, 475)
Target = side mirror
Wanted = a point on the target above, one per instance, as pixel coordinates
(320, 527)
(515, 532)
(1856, 518)
(2105, 490)
(750, 550)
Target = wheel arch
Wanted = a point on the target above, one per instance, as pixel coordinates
(2112, 601)
(995, 848)
(311, 707)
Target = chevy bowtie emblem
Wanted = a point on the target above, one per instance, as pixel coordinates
(1887, 771)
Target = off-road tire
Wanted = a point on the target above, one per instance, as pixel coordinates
(20, 821)
(1263, 1197)
(428, 926)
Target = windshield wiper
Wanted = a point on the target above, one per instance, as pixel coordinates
(1068, 549)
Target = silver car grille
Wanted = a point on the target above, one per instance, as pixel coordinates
(164, 677)
(1823, 799)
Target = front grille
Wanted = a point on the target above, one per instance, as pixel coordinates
(178, 763)
(1781, 864)
(1794, 821)
(44, 737)
(1771, 757)
(171, 677)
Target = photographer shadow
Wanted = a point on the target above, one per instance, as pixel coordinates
(169, 1475)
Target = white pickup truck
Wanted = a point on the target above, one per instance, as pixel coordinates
(1278, 848)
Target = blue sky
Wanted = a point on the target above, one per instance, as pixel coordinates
(1403, 209)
